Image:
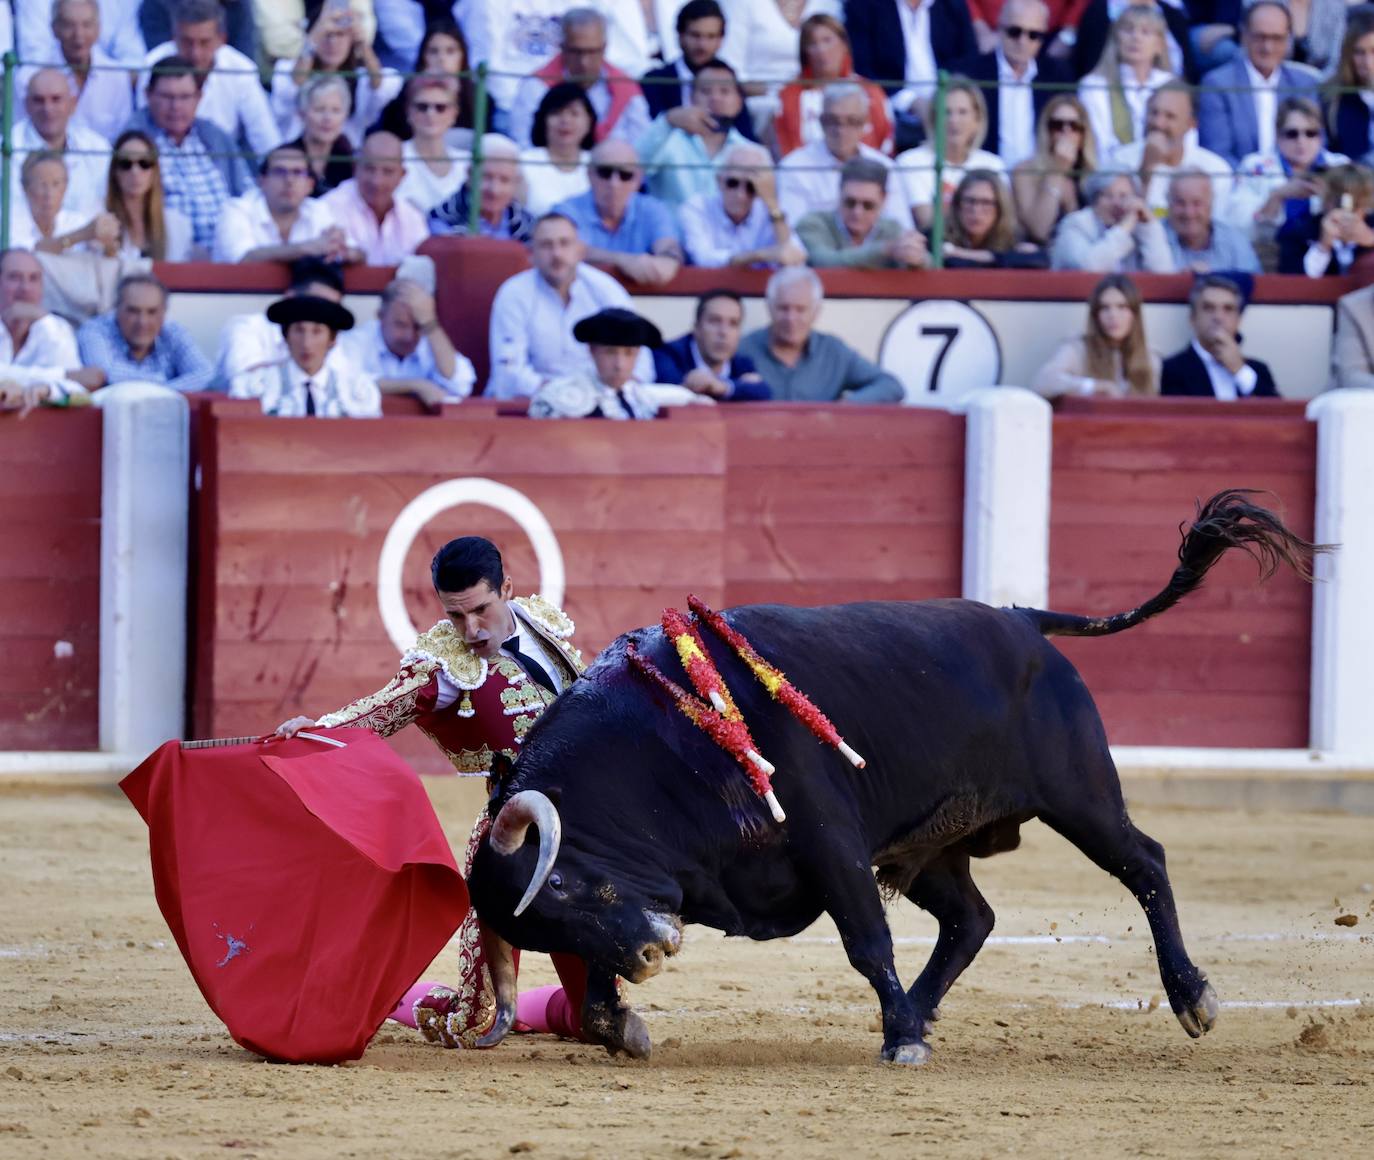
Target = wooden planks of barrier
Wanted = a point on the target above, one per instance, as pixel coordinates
(734, 504)
(50, 483)
(1231, 666)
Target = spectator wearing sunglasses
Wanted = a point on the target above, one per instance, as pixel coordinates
(683, 146)
(809, 177)
(1279, 184)
(857, 235)
(740, 223)
(133, 194)
(1048, 185)
(623, 229)
(1008, 72)
(1239, 100)
(279, 221)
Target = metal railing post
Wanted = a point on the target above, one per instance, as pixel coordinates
(6, 148)
(479, 120)
(937, 208)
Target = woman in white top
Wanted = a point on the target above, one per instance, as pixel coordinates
(564, 131)
(1134, 64)
(148, 227)
(966, 124)
(334, 45)
(763, 41)
(46, 226)
(1112, 358)
(437, 155)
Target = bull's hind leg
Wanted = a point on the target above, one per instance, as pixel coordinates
(947, 892)
(1137, 860)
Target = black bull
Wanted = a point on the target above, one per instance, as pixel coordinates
(972, 723)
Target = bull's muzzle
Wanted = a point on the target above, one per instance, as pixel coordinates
(667, 941)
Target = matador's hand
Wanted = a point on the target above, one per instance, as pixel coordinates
(288, 729)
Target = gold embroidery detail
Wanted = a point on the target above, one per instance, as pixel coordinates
(523, 698)
(548, 616)
(443, 645)
(388, 710)
(523, 723)
(475, 1010)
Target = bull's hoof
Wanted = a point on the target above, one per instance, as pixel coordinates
(910, 1054)
(618, 1029)
(1201, 1017)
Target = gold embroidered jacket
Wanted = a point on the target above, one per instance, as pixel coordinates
(498, 704)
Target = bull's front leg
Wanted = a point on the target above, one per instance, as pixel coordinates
(852, 901)
(609, 1021)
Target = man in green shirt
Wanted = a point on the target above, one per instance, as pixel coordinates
(855, 234)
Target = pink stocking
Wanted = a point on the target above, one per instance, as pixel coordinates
(404, 1011)
(547, 1010)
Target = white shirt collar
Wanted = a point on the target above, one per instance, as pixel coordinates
(1258, 81)
(1005, 73)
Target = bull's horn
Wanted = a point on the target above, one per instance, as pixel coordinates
(529, 808)
(500, 959)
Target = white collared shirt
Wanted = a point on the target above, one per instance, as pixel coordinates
(528, 642)
(367, 349)
(711, 238)
(1015, 112)
(424, 188)
(1226, 385)
(920, 57)
(232, 97)
(106, 100)
(1265, 94)
(531, 337)
(338, 390)
(809, 179)
(1194, 157)
(50, 346)
(246, 224)
(87, 157)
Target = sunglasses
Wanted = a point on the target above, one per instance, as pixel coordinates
(832, 122)
(979, 202)
(431, 106)
(606, 172)
(1016, 32)
(736, 182)
(861, 203)
(1296, 134)
(124, 164)
(1058, 126)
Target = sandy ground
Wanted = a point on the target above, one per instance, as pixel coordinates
(1049, 1046)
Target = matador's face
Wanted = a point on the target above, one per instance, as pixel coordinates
(481, 615)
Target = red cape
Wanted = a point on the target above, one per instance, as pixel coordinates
(307, 886)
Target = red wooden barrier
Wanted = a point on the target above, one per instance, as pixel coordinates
(735, 504)
(50, 580)
(1231, 665)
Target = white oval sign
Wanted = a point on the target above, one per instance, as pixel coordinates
(441, 497)
(941, 349)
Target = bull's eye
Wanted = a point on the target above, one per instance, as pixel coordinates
(556, 880)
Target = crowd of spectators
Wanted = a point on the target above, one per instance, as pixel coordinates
(1223, 138)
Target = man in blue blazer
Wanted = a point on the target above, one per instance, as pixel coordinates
(1008, 70)
(1212, 366)
(1239, 101)
(878, 36)
(700, 32)
(706, 360)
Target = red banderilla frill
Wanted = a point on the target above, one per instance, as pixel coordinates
(731, 734)
(772, 679)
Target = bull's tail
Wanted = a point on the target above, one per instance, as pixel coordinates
(1225, 521)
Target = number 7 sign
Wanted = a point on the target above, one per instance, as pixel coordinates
(941, 349)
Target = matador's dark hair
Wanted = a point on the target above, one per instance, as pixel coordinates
(466, 561)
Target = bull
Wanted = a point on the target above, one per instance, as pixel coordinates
(972, 724)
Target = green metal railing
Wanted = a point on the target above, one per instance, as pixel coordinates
(6, 147)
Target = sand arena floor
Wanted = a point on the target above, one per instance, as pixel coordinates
(1051, 1045)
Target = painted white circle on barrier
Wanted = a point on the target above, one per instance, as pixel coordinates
(941, 349)
(441, 497)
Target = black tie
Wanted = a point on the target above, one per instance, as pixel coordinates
(309, 398)
(530, 665)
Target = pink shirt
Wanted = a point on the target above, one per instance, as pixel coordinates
(383, 243)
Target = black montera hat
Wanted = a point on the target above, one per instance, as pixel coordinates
(309, 308)
(617, 327)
